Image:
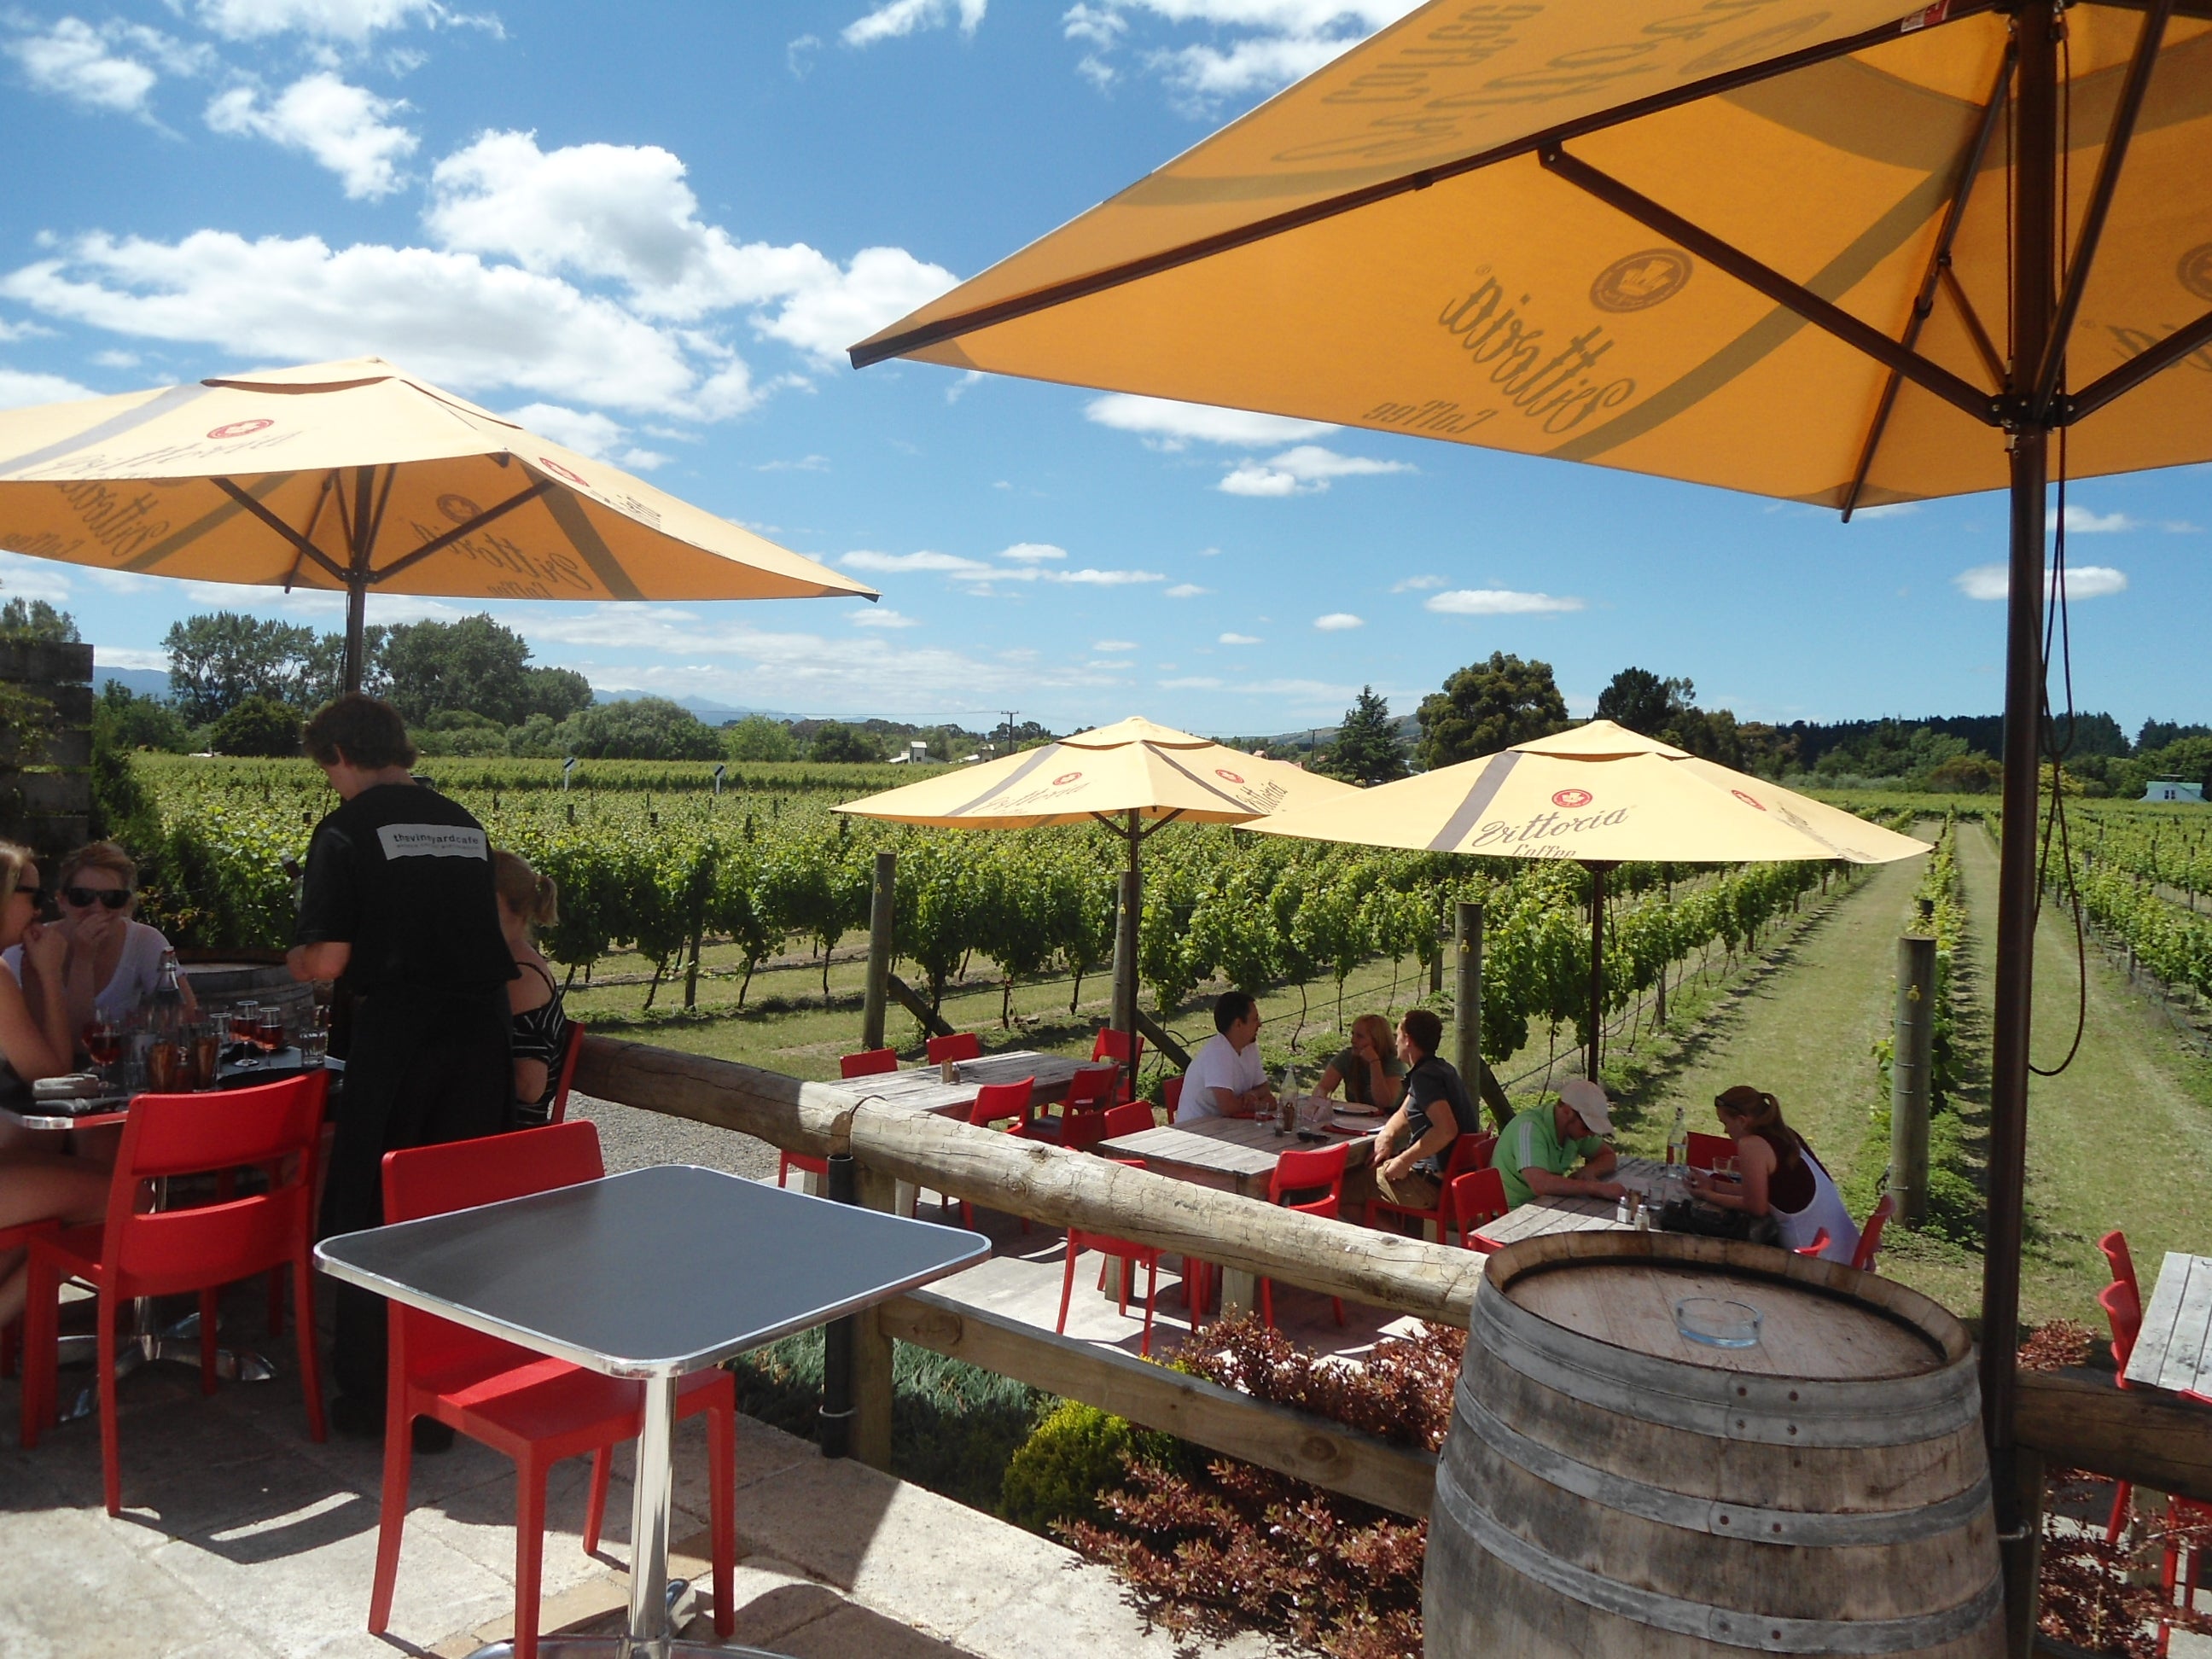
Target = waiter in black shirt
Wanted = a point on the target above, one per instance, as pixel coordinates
(398, 907)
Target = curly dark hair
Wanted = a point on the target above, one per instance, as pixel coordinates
(361, 730)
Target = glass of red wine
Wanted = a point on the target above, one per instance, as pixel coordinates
(245, 1020)
(269, 1032)
(103, 1042)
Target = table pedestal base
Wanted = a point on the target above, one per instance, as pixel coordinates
(177, 1345)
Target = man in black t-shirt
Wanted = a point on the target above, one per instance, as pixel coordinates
(1414, 1147)
(398, 906)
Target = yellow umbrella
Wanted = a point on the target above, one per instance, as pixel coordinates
(1603, 795)
(357, 476)
(1803, 247)
(1126, 777)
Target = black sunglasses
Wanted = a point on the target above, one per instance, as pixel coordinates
(84, 898)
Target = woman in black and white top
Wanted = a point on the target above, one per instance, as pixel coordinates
(528, 901)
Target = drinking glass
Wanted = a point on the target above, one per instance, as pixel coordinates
(165, 1066)
(244, 1017)
(103, 1042)
(206, 1040)
(269, 1035)
(315, 1044)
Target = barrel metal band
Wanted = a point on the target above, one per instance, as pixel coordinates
(1727, 1405)
(1710, 1515)
(1727, 1626)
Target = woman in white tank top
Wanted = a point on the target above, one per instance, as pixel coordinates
(1777, 1175)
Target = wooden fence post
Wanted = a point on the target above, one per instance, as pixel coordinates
(1912, 1054)
(1466, 994)
(879, 951)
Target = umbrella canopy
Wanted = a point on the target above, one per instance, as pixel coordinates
(1699, 243)
(1602, 794)
(355, 476)
(1807, 248)
(1127, 777)
(1120, 773)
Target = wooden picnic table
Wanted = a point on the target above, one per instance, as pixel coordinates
(1541, 1216)
(2174, 1351)
(920, 1089)
(1238, 1155)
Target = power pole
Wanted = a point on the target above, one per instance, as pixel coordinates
(1009, 713)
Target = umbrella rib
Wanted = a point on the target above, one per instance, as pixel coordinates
(322, 499)
(306, 547)
(440, 544)
(1151, 264)
(1967, 315)
(1764, 279)
(2131, 374)
(1939, 267)
(2045, 386)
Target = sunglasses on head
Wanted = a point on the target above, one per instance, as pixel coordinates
(84, 898)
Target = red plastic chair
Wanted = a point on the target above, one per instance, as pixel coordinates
(1081, 1124)
(1132, 1117)
(1869, 1236)
(1321, 1168)
(996, 1102)
(557, 1111)
(1472, 1201)
(1706, 1150)
(1172, 1096)
(1132, 1256)
(2114, 1244)
(1112, 1045)
(11, 1333)
(961, 1045)
(135, 1253)
(1471, 1151)
(536, 1409)
(869, 1062)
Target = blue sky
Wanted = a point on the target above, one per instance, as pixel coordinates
(652, 229)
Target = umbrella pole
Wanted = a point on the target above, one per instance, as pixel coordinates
(356, 610)
(1125, 992)
(2033, 305)
(1597, 962)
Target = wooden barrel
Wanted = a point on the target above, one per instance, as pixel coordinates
(221, 985)
(1610, 1488)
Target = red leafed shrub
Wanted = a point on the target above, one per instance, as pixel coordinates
(1221, 1546)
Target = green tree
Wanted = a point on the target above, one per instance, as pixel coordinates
(834, 740)
(257, 725)
(1640, 700)
(757, 738)
(1366, 750)
(475, 665)
(640, 728)
(35, 620)
(125, 720)
(1489, 706)
(220, 659)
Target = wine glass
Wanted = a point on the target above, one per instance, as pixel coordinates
(245, 1020)
(103, 1042)
(269, 1033)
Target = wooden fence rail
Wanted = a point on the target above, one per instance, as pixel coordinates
(2075, 1418)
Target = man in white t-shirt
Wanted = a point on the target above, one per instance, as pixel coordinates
(1225, 1078)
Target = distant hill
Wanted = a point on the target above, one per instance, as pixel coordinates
(714, 713)
(146, 682)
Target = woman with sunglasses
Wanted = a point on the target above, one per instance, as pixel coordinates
(113, 963)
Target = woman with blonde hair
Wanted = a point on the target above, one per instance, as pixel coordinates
(528, 901)
(113, 962)
(1369, 1068)
(1777, 1175)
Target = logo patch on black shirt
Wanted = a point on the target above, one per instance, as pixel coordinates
(432, 841)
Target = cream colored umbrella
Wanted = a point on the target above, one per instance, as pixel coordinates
(1603, 795)
(1133, 777)
(356, 476)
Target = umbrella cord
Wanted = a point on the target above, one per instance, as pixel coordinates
(2057, 617)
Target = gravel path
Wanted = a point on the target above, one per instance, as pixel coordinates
(631, 1139)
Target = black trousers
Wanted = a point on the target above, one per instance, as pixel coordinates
(420, 1070)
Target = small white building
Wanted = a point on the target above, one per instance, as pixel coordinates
(2174, 789)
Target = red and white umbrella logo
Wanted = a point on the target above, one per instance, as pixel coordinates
(1223, 772)
(1747, 800)
(554, 466)
(1065, 779)
(1571, 798)
(239, 428)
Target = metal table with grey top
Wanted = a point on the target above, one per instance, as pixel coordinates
(653, 1273)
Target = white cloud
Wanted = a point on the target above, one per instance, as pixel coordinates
(1165, 424)
(2083, 581)
(74, 60)
(123, 656)
(1255, 45)
(895, 18)
(1886, 510)
(1032, 552)
(897, 563)
(1496, 602)
(1240, 639)
(588, 432)
(623, 213)
(1098, 578)
(344, 127)
(804, 463)
(25, 578)
(882, 616)
(353, 21)
(1417, 584)
(1195, 684)
(1339, 621)
(1112, 645)
(1304, 470)
(2081, 521)
(449, 316)
(1185, 590)
(20, 389)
